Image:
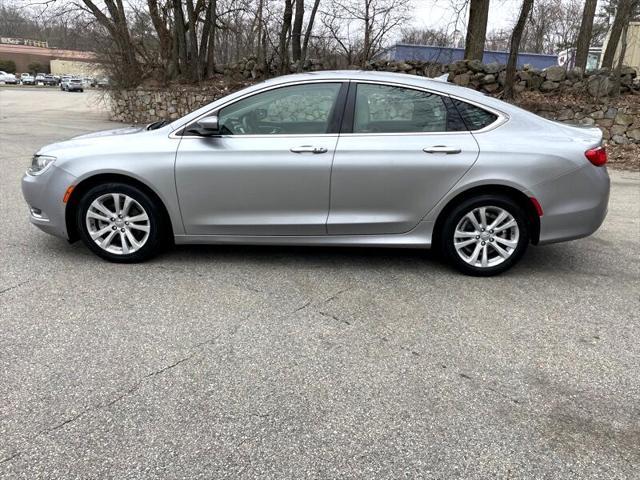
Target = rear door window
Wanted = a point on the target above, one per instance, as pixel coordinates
(391, 109)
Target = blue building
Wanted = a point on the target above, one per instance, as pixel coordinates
(404, 52)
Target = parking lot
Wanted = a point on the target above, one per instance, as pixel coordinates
(272, 362)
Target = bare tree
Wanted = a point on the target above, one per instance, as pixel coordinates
(307, 34)
(516, 36)
(584, 36)
(296, 31)
(114, 20)
(285, 30)
(427, 36)
(498, 40)
(623, 51)
(476, 29)
(552, 25)
(623, 14)
(360, 28)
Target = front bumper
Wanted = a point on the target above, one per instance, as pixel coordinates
(575, 204)
(74, 88)
(44, 194)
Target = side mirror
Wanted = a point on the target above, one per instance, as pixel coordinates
(207, 126)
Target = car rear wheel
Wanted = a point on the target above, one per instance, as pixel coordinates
(120, 223)
(485, 235)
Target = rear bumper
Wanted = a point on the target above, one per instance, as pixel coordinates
(575, 204)
(44, 194)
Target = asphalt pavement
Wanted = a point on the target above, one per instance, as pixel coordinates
(289, 363)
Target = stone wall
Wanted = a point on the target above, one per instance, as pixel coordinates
(542, 92)
(473, 73)
(618, 119)
(490, 77)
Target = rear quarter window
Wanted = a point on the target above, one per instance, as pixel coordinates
(475, 118)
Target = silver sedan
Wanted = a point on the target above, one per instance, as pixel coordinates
(329, 158)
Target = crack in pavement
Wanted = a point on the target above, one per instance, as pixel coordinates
(326, 300)
(16, 286)
(10, 457)
(337, 319)
(120, 397)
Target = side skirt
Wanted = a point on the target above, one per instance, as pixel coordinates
(419, 237)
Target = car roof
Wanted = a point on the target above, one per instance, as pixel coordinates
(392, 77)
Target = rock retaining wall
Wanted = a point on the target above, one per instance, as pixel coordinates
(473, 73)
(619, 120)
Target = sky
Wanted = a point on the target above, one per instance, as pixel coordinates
(435, 13)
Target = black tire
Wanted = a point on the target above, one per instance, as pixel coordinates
(458, 212)
(157, 226)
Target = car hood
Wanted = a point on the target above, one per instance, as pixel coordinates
(97, 142)
(111, 133)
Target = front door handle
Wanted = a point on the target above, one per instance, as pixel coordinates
(308, 149)
(442, 149)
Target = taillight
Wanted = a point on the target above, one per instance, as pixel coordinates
(597, 156)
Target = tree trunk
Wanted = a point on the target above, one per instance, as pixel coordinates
(194, 71)
(621, 19)
(164, 37)
(116, 25)
(284, 36)
(259, 24)
(476, 29)
(307, 35)
(180, 36)
(623, 50)
(367, 34)
(296, 31)
(584, 36)
(211, 44)
(516, 36)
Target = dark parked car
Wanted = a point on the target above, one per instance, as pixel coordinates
(50, 80)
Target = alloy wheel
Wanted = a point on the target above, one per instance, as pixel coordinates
(486, 236)
(118, 223)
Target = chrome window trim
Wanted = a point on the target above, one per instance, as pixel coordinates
(501, 119)
(251, 94)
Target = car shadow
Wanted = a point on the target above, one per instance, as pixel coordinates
(303, 255)
(568, 258)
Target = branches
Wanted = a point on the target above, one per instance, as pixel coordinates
(372, 21)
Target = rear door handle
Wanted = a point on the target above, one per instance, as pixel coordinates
(308, 149)
(442, 149)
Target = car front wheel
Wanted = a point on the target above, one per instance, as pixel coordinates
(485, 235)
(120, 223)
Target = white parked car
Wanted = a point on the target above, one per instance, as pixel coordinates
(72, 85)
(27, 79)
(8, 78)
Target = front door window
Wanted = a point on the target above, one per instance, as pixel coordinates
(294, 110)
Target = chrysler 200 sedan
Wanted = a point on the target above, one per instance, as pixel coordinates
(329, 158)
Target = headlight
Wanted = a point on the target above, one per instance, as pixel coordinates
(39, 164)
